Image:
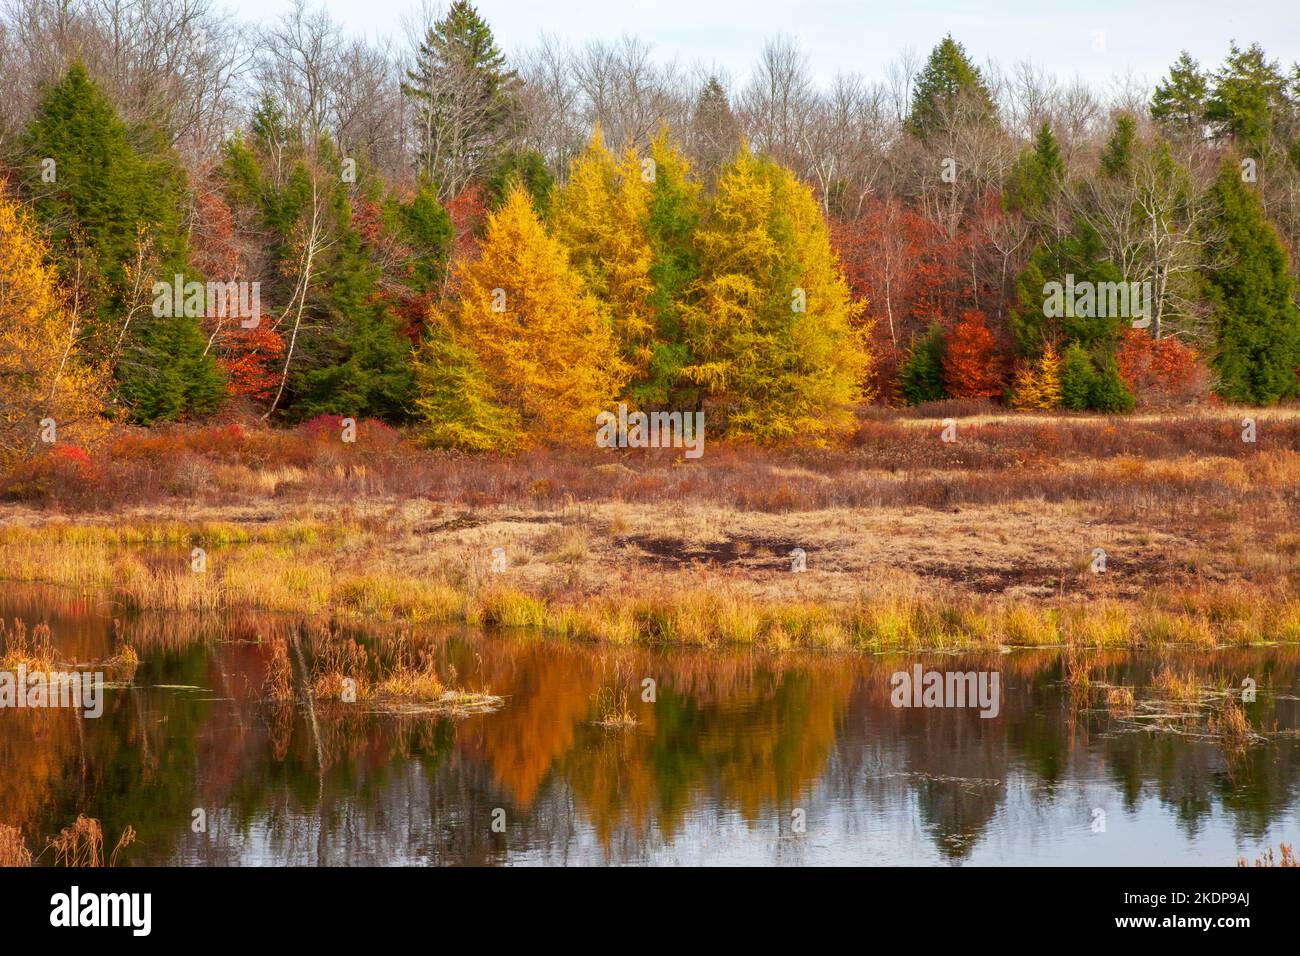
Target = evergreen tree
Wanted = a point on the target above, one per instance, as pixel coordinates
(675, 210)
(353, 362)
(422, 224)
(1179, 101)
(715, 131)
(1256, 322)
(348, 356)
(1248, 92)
(921, 376)
(1117, 155)
(1078, 378)
(527, 167)
(464, 94)
(1110, 393)
(1037, 176)
(114, 208)
(949, 83)
(1081, 254)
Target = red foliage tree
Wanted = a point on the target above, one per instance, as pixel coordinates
(249, 356)
(1163, 371)
(972, 367)
(900, 262)
(468, 211)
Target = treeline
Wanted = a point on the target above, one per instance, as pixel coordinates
(197, 217)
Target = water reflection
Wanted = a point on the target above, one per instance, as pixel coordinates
(717, 769)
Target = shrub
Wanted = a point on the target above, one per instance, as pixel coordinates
(1038, 385)
(921, 377)
(1078, 379)
(1109, 393)
(1161, 372)
(971, 366)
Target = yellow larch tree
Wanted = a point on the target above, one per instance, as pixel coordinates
(773, 330)
(43, 374)
(600, 216)
(1038, 385)
(543, 341)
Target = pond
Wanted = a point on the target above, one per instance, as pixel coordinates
(734, 756)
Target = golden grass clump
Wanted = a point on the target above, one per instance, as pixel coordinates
(1288, 859)
(82, 844)
(1173, 686)
(22, 648)
(13, 848)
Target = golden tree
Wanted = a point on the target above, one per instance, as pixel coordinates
(772, 326)
(1039, 385)
(600, 217)
(42, 373)
(543, 342)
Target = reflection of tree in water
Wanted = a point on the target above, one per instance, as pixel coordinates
(733, 744)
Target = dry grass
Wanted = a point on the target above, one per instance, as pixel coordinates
(278, 684)
(13, 848)
(82, 844)
(21, 648)
(911, 542)
(1230, 724)
(1288, 858)
(1179, 688)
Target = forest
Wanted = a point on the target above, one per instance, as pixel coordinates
(202, 218)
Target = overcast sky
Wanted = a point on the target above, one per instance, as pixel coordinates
(1138, 36)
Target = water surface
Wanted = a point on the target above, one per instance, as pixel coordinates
(737, 749)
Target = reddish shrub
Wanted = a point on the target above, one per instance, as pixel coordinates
(1163, 372)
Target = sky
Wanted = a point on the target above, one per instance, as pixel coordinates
(1094, 40)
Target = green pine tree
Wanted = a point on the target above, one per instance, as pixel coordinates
(1256, 322)
(675, 210)
(1118, 153)
(464, 95)
(353, 362)
(921, 376)
(527, 167)
(1037, 176)
(1078, 378)
(1179, 101)
(115, 204)
(1081, 254)
(1249, 93)
(948, 83)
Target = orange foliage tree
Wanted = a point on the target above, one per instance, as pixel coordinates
(972, 367)
(1161, 371)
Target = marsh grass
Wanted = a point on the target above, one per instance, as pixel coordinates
(613, 703)
(360, 571)
(82, 844)
(1288, 858)
(1230, 724)
(13, 848)
(19, 647)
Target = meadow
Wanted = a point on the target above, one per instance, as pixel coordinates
(1037, 530)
